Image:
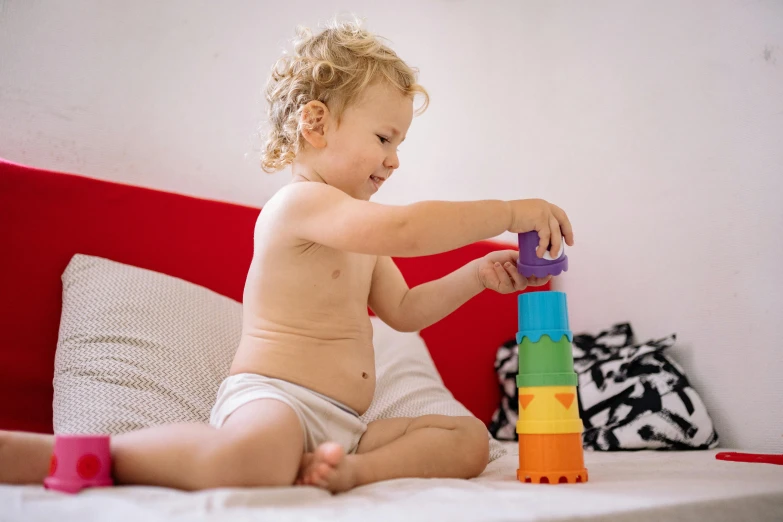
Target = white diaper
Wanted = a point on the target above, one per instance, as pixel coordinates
(322, 419)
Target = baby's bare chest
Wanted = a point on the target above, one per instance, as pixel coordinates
(338, 275)
(312, 277)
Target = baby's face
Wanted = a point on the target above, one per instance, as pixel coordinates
(361, 152)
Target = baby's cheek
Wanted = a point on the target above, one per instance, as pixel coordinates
(361, 166)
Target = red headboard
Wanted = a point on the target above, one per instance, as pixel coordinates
(47, 217)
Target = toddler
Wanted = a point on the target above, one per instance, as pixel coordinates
(304, 372)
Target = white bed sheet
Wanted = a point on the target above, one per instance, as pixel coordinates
(639, 487)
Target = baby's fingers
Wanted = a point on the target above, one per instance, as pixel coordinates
(556, 238)
(505, 284)
(520, 282)
(543, 241)
(538, 281)
(565, 224)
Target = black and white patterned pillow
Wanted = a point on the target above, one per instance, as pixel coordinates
(504, 421)
(631, 396)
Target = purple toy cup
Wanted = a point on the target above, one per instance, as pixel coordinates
(529, 264)
(78, 462)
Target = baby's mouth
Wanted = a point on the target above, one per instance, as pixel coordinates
(377, 180)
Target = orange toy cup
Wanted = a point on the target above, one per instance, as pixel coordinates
(551, 458)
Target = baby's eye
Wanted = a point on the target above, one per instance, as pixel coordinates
(383, 140)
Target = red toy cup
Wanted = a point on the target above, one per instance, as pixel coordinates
(78, 462)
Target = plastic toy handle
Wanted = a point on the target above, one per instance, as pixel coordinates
(764, 458)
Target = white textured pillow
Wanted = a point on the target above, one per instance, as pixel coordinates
(138, 348)
(408, 383)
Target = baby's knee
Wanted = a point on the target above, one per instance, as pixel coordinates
(474, 444)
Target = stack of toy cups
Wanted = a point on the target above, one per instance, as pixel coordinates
(549, 427)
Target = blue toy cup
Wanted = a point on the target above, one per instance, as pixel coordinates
(542, 313)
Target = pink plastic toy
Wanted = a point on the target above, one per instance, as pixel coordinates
(78, 462)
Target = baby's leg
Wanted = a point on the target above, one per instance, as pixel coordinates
(428, 446)
(260, 444)
(24, 457)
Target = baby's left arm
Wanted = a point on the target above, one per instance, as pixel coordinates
(413, 309)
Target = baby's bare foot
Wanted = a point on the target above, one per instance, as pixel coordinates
(327, 467)
(24, 457)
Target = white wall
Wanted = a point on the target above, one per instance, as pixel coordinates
(657, 125)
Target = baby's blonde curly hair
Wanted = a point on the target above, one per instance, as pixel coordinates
(333, 67)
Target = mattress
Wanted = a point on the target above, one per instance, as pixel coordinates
(633, 486)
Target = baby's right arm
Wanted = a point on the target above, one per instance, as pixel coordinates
(326, 215)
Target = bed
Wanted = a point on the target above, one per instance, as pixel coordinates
(46, 217)
(623, 486)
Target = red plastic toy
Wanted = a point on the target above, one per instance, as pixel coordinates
(765, 458)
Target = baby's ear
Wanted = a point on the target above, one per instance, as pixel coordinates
(315, 116)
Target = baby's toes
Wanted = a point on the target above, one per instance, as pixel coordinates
(321, 474)
(327, 480)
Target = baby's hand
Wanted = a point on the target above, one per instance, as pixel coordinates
(550, 221)
(498, 271)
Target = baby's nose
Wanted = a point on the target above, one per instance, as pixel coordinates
(392, 162)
